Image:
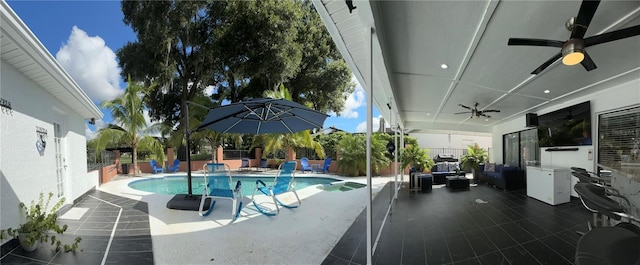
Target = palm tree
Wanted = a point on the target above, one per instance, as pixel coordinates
(130, 128)
(279, 141)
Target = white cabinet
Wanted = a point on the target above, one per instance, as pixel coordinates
(549, 184)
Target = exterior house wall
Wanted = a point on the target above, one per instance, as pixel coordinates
(453, 140)
(606, 99)
(26, 173)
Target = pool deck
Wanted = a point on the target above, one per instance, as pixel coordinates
(303, 235)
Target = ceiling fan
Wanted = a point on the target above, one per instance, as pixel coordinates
(475, 112)
(573, 50)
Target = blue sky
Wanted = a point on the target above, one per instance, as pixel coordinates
(84, 36)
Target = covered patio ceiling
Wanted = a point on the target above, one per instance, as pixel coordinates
(414, 38)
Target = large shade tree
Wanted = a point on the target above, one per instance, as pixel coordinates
(130, 127)
(236, 48)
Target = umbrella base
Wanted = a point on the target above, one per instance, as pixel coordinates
(186, 202)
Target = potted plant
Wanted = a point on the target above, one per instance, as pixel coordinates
(39, 223)
(415, 157)
(472, 160)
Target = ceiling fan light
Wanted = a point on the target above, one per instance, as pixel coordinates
(572, 52)
(573, 58)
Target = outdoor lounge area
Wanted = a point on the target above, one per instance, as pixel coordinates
(449, 228)
(532, 110)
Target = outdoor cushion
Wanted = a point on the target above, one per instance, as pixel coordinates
(490, 167)
(453, 166)
(442, 167)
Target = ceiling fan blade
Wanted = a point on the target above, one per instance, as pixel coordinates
(491, 110)
(484, 115)
(587, 10)
(462, 112)
(547, 63)
(463, 106)
(587, 62)
(535, 42)
(613, 35)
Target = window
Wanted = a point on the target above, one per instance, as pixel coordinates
(619, 138)
(521, 148)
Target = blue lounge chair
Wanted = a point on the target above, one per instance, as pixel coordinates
(263, 164)
(175, 167)
(155, 167)
(327, 164)
(282, 183)
(218, 184)
(245, 163)
(304, 165)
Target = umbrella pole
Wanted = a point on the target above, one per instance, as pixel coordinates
(187, 201)
(188, 149)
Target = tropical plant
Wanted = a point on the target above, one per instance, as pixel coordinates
(415, 157)
(39, 221)
(352, 152)
(285, 141)
(131, 127)
(472, 159)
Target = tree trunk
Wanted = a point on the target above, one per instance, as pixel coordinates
(134, 148)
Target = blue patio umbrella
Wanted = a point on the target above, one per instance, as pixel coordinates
(256, 116)
(264, 115)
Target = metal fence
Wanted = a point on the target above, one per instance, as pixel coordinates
(456, 152)
(234, 154)
(96, 161)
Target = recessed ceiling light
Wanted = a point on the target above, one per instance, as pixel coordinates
(428, 114)
(444, 66)
(486, 119)
(547, 91)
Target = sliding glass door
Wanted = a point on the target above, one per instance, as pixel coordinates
(521, 148)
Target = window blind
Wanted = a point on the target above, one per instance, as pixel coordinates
(619, 138)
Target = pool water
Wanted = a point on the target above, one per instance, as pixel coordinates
(178, 184)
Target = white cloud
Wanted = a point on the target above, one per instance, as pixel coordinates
(92, 134)
(362, 127)
(92, 65)
(209, 90)
(353, 102)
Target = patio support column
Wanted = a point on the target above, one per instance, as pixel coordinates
(395, 157)
(368, 86)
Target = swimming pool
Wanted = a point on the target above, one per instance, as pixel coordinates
(178, 184)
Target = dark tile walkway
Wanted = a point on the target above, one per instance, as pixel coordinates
(131, 242)
(445, 227)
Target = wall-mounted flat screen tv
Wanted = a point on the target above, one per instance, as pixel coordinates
(570, 126)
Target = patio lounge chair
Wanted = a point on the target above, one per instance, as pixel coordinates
(175, 167)
(326, 165)
(282, 183)
(218, 183)
(304, 165)
(263, 164)
(155, 167)
(245, 164)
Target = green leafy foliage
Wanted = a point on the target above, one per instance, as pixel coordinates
(238, 47)
(416, 157)
(473, 158)
(131, 127)
(39, 222)
(352, 152)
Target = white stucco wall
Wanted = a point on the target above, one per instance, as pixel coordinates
(454, 140)
(25, 173)
(607, 99)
